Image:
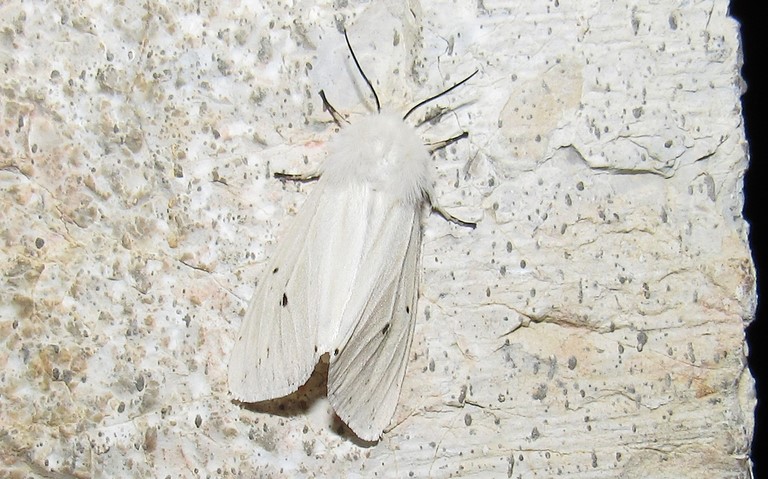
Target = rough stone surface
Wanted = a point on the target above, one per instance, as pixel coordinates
(591, 326)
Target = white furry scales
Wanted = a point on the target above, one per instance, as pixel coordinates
(343, 280)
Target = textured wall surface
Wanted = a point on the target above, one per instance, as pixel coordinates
(591, 326)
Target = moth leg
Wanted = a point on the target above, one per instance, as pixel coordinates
(307, 177)
(330, 109)
(433, 147)
(300, 177)
(449, 217)
(439, 145)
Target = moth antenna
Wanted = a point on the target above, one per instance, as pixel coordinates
(360, 69)
(421, 103)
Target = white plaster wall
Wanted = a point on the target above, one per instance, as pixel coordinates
(591, 326)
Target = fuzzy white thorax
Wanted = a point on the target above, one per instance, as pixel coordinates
(383, 152)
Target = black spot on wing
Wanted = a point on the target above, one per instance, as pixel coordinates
(284, 301)
(385, 329)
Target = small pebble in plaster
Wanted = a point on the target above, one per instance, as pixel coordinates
(150, 439)
(572, 363)
(349, 276)
(462, 394)
(642, 338)
(540, 393)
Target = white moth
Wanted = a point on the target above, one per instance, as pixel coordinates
(344, 278)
